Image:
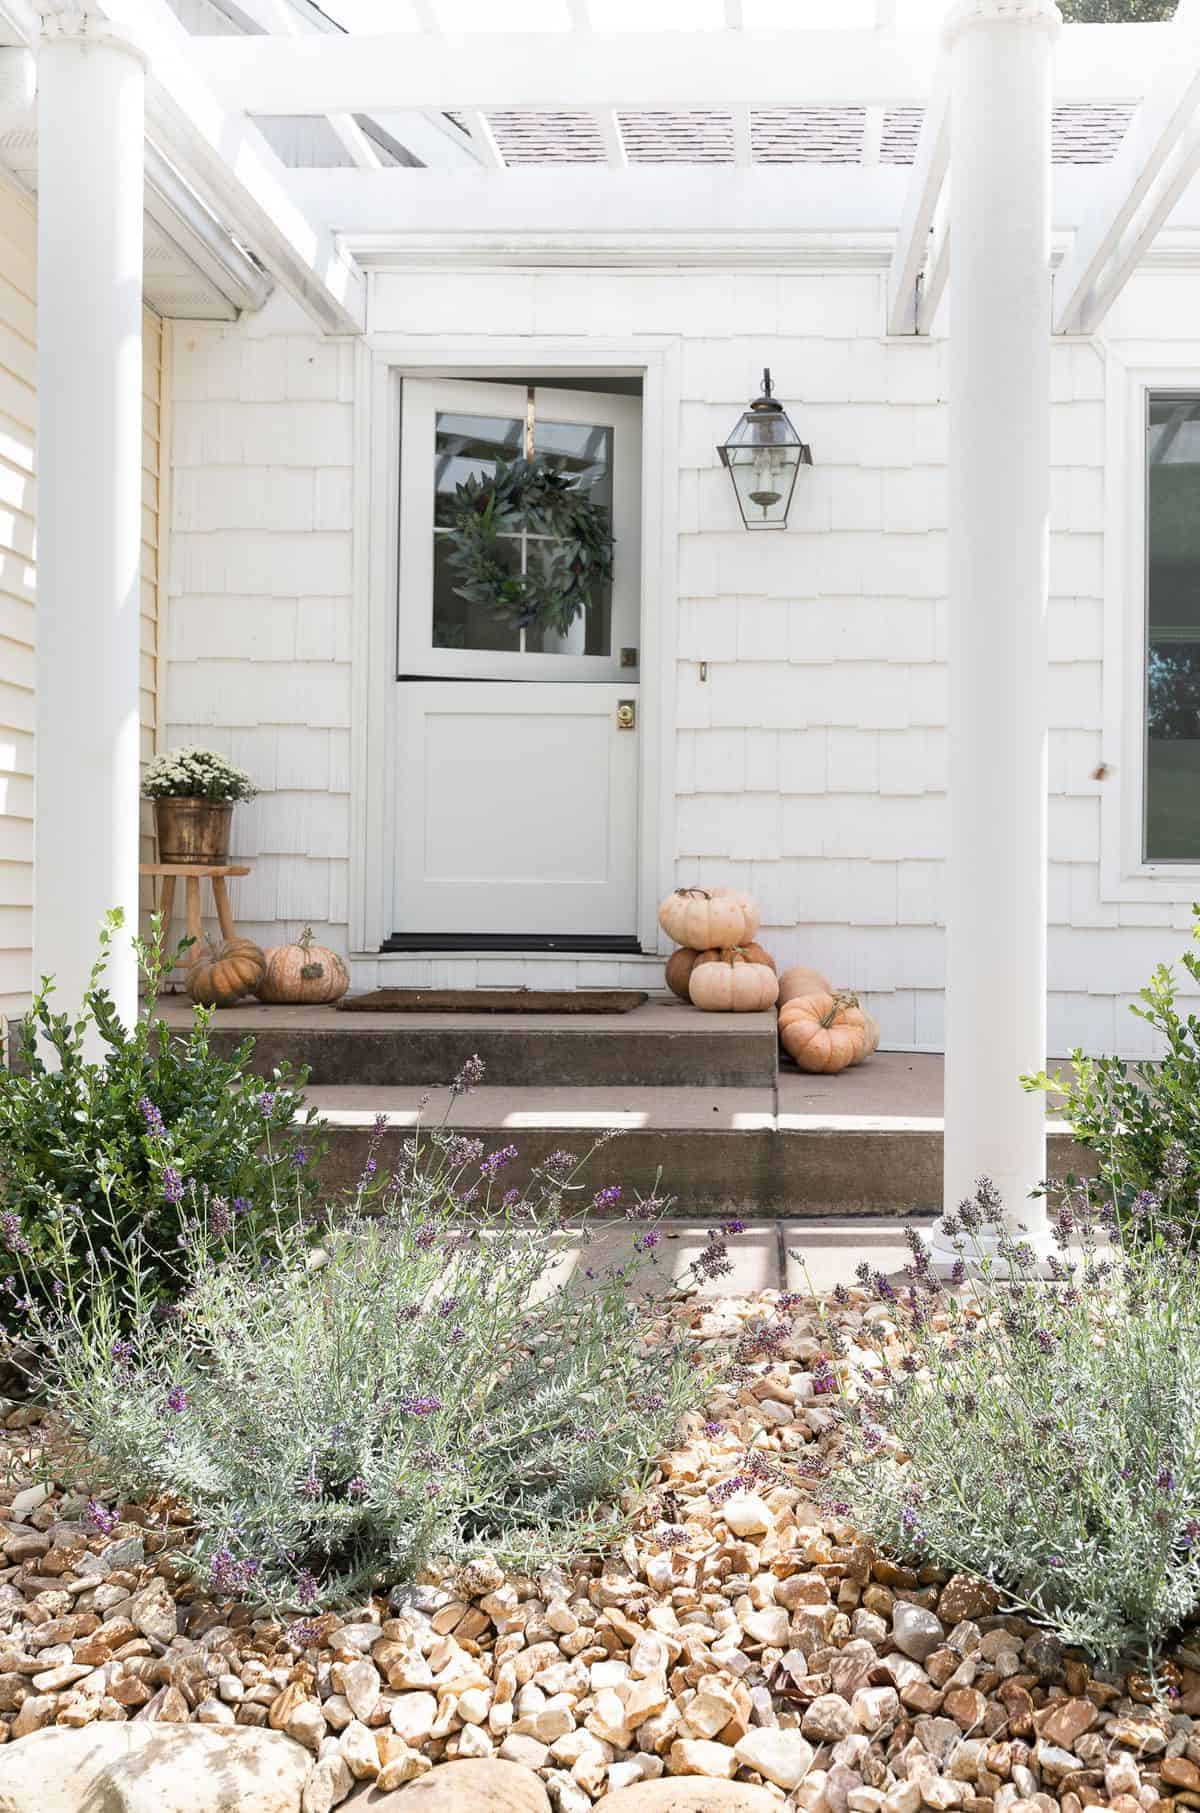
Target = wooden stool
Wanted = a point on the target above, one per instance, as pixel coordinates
(193, 874)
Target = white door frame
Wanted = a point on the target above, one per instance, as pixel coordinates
(382, 362)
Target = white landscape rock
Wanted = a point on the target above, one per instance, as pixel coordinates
(153, 1768)
(782, 1757)
(747, 1515)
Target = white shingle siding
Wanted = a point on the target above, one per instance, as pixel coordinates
(811, 763)
(259, 636)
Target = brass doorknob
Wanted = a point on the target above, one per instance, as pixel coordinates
(626, 715)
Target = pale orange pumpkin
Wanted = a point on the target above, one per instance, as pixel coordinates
(223, 978)
(303, 972)
(705, 919)
(800, 981)
(823, 1033)
(750, 908)
(681, 963)
(728, 981)
(871, 1043)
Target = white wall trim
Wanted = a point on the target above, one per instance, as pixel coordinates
(1138, 368)
(382, 361)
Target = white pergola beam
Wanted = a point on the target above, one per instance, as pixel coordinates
(614, 139)
(920, 208)
(355, 141)
(721, 69)
(483, 139)
(1138, 189)
(228, 162)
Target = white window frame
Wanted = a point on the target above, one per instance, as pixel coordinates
(1125, 875)
(383, 360)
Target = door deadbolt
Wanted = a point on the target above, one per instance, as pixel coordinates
(626, 715)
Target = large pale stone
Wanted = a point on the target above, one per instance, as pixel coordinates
(153, 1768)
(690, 1794)
(153, 1612)
(455, 1787)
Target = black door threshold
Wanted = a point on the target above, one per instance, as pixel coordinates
(488, 943)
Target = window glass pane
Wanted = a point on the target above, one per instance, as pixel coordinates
(1173, 631)
(585, 451)
(468, 446)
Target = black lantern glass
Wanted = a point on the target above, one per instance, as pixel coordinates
(762, 456)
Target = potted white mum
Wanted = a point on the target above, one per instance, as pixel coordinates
(194, 793)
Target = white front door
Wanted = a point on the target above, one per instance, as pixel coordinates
(516, 748)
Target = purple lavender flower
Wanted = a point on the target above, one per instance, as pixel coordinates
(152, 1117)
(122, 1352)
(1044, 1339)
(645, 1243)
(177, 1399)
(266, 1103)
(11, 1233)
(1164, 1479)
(608, 1198)
(307, 1590)
(172, 1184)
(469, 1076)
(99, 1518)
(220, 1218)
(496, 1161)
(730, 1228)
(419, 1404)
(299, 1158)
(712, 1430)
(356, 1487)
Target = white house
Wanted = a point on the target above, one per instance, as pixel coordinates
(968, 251)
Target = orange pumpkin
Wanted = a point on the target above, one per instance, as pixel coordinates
(800, 981)
(223, 979)
(871, 1044)
(823, 1033)
(730, 982)
(303, 972)
(705, 919)
(681, 963)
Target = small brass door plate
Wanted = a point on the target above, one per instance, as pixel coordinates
(629, 657)
(626, 715)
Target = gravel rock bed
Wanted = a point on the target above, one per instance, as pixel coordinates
(739, 1652)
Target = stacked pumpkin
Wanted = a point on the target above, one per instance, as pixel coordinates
(719, 967)
(821, 1028)
(303, 973)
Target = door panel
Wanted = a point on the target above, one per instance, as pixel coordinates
(518, 810)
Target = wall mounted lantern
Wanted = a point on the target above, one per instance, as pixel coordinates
(762, 456)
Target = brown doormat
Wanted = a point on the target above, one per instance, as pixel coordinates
(494, 1001)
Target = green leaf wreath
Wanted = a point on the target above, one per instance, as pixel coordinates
(572, 564)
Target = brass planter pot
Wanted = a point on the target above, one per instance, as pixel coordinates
(193, 830)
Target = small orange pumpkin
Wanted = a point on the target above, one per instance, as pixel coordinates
(823, 1033)
(681, 963)
(708, 919)
(303, 972)
(730, 982)
(223, 979)
(799, 981)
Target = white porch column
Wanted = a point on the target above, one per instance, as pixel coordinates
(1001, 54)
(90, 171)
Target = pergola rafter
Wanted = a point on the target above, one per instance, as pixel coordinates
(1140, 188)
(917, 276)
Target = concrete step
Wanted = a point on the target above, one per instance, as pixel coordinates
(798, 1151)
(663, 1044)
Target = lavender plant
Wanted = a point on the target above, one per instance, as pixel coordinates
(414, 1386)
(1131, 1115)
(122, 1150)
(1042, 1433)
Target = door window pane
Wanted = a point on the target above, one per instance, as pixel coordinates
(469, 446)
(1172, 793)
